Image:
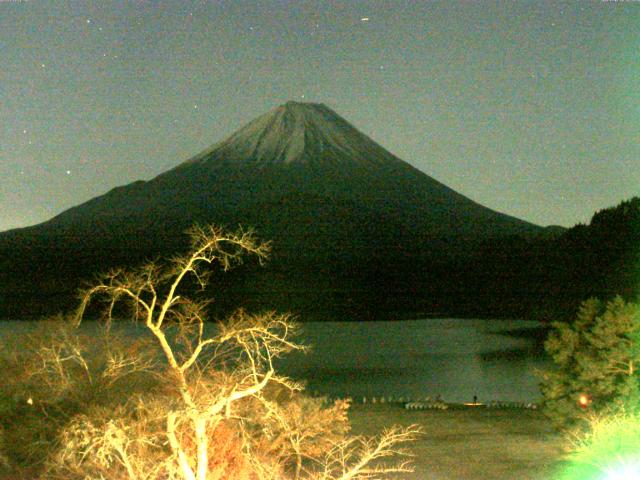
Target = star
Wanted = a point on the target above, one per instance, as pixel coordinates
(68, 172)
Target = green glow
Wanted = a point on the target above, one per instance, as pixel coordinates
(610, 451)
(625, 472)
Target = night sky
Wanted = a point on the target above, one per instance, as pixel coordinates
(530, 108)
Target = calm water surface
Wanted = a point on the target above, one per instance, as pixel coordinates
(454, 358)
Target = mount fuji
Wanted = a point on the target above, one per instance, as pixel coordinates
(352, 225)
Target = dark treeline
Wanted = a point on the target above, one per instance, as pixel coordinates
(382, 274)
(547, 277)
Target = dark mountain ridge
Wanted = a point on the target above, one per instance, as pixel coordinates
(298, 148)
(351, 223)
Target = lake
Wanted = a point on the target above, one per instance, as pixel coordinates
(453, 358)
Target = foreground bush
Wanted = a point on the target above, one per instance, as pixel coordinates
(597, 360)
(186, 405)
(54, 373)
(610, 449)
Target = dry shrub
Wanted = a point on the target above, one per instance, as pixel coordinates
(55, 373)
(4, 460)
(227, 457)
(282, 433)
(124, 442)
(295, 429)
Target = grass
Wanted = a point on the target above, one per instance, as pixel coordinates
(471, 443)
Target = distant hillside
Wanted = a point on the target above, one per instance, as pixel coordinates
(601, 259)
(550, 275)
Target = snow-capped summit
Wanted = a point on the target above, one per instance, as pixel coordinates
(297, 132)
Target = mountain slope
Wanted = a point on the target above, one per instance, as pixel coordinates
(304, 148)
(303, 177)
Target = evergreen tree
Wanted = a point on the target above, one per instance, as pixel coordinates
(597, 362)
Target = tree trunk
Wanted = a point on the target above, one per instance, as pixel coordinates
(200, 425)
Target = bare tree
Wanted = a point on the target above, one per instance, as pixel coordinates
(217, 405)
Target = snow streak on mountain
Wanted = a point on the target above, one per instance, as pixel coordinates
(298, 132)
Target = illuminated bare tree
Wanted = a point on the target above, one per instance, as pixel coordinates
(215, 409)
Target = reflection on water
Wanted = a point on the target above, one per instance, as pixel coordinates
(457, 359)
